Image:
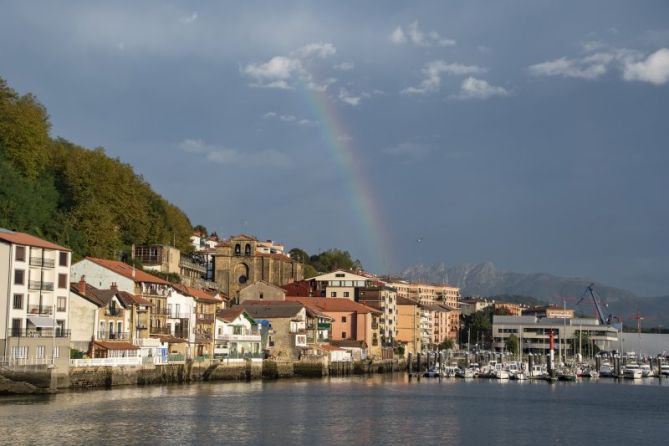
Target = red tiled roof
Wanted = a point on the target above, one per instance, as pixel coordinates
(301, 288)
(229, 315)
(333, 304)
(330, 348)
(21, 238)
(198, 294)
(127, 271)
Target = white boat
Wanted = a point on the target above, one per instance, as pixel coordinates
(606, 369)
(466, 373)
(518, 376)
(501, 374)
(647, 371)
(664, 370)
(632, 371)
(590, 373)
(537, 371)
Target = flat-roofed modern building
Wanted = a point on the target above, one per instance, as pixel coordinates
(534, 333)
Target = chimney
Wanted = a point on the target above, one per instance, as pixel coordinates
(82, 285)
(114, 286)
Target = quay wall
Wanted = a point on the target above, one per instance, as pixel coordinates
(43, 379)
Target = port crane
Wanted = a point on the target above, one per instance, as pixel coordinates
(590, 292)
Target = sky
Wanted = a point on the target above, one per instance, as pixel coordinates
(533, 134)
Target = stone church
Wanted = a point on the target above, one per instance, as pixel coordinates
(243, 260)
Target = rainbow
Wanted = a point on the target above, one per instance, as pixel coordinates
(364, 201)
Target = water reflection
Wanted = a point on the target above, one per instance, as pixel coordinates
(381, 409)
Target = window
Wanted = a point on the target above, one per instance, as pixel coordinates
(40, 351)
(119, 328)
(19, 277)
(346, 294)
(20, 254)
(333, 294)
(247, 250)
(340, 275)
(56, 352)
(261, 295)
(62, 259)
(101, 334)
(62, 280)
(19, 352)
(18, 302)
(16, 327)
(343, 335)
(238, 249)
(62, 303)
(343, 318)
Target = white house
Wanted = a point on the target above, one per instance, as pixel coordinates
(237, 335)
(34, 289)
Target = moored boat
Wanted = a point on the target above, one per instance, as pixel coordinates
(632, 371)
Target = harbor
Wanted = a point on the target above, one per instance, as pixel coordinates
(390, 409)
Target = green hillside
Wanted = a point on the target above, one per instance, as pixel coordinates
(72, 195)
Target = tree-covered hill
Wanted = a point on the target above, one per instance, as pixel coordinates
(71, 195)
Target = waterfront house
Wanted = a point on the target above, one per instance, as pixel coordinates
(103, 273)
(382, 297)
(287, 326)
(105, 315)
(336, 354)
(350, 320)
(207, 303)
(34, 289)
(409, 325)
(237, 335)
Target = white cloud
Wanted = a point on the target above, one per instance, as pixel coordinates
(321, 50)
(348, 98)
(187, 20)
(433, 72)
(653, 69)
(227, 155)
(278, 72)
(591, 67)
(397, 36)
(284, 72)
(288, 118)
(418, 37)
(344, 66)
(473, 88)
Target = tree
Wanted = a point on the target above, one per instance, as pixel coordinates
(478, 324)
(511, 344)
(201, 229)
(448, 344)
(299, 254)
(24, 131)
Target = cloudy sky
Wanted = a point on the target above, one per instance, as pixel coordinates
(533, 134)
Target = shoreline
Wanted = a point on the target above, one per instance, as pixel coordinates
(42, 380)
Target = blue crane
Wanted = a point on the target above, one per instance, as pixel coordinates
(590, 291)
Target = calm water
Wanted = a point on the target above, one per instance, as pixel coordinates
(351, 411)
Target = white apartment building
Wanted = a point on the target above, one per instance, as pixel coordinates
(341, 284)
(34, 290)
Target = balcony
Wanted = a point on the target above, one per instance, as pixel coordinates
(375, 325)
(105, 336)
(238, 337)
(46, 263)
(175, 315)
(40, 285)
(160, 331)
(205, 318)
(40, 309)
(38, 333)
(187, 264)
(140, 327)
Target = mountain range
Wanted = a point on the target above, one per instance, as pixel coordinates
(484, 279)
